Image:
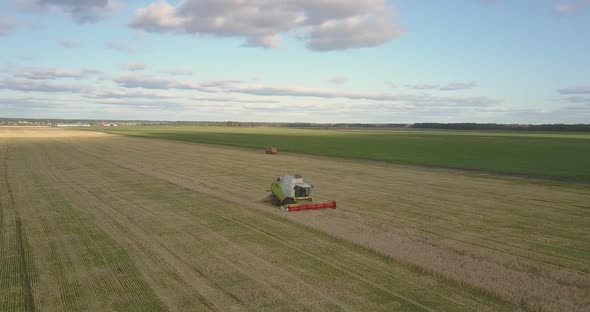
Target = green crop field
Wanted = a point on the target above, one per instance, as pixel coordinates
(556, 155)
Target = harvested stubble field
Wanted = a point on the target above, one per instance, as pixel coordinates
(99, 222)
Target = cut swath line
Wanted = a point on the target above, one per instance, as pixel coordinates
(26, 278)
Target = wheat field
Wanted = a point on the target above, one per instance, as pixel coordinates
(101, 222)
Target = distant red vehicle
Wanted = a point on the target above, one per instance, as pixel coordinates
(271, 150)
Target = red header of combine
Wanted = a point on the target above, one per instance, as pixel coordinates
(330, 205)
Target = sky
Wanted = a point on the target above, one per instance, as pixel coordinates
(358, 61)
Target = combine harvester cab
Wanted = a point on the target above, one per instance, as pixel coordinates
(287, 191)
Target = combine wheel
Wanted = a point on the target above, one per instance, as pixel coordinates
(275, 201)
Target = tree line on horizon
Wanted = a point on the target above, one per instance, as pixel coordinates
(504, 127)
(424, 125)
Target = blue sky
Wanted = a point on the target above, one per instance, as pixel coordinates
(297, 60)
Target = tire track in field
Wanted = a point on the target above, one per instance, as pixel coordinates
(21, 241)
(93, 246)
(121, 271)
(62, 265)
(140, 244)
(28, 291)
(4, 171)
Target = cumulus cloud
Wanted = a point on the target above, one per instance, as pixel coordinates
(575, 90)
(323, 25)
(68, 44)
(37, 73)
(136, 66)
(82, 11)
(572, 8)
(372, 29)
(6, 25)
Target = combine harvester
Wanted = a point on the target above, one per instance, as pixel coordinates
(286, 191)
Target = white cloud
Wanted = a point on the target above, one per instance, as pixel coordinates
(42, 73)
(572, 8)
(423, 86)
(241, 87)
(451, 86)
(267, 42)
(372, 29)
(575, 90)
(578, 99)
(151, 82)
(121, 94)
(576, 95)
(40, 86)
(135, 66)
(82, 11)
(324, 25)
(126, 94)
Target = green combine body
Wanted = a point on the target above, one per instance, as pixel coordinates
(288, 190)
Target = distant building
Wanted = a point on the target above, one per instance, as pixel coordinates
(107, 124)
(73, 125)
